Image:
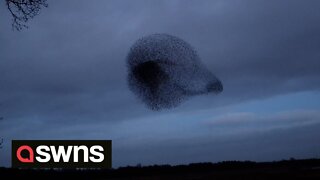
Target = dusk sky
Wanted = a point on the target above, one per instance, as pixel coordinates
(65, 77)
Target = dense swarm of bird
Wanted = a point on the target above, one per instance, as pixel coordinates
(164, 70)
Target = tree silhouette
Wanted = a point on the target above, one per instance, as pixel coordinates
(23, 10)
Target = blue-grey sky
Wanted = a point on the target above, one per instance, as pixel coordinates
(65, 78)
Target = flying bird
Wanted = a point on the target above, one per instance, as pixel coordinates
(164, 70)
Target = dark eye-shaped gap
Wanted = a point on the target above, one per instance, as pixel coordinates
(150, 74)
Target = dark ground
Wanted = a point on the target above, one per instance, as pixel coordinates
(286, 169)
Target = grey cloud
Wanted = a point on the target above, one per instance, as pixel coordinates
(69, 67)
(297, 142)
(248, 121)
(280, 116)
(279, 142)
(239, 136)
(258, 49)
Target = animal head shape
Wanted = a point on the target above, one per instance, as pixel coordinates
(164, 70)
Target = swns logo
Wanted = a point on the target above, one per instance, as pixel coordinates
(61, 154)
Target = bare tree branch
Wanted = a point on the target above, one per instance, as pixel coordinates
(23, 10)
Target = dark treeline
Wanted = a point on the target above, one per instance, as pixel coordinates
(293, 169)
